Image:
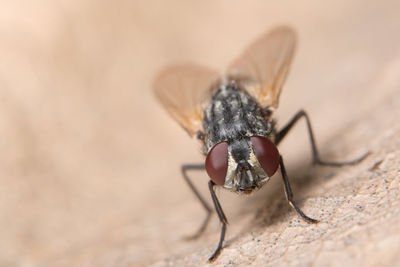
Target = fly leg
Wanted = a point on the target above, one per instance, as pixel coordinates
(207, 207)
(222, 219)
(289, 194)
(315, 155)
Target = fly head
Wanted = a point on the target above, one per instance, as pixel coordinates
(243, 165)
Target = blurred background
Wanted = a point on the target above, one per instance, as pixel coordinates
(89, 162)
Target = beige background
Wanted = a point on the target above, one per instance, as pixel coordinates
(89, 162)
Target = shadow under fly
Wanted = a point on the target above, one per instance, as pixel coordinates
(231, 115)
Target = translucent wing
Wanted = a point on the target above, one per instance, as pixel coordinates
(183, 90)
(264, 65)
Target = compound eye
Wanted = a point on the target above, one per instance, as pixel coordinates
(217, 163)
(266, 153)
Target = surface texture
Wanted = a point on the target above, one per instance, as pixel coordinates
(89, 162)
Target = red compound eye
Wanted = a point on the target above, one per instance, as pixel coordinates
(217, 163)
(267, 154)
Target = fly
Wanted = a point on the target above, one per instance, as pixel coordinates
(231, 115)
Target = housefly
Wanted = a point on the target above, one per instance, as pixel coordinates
(231, 115)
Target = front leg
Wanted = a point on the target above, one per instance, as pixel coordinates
(222, 219)
(289, 194)
(315, 154)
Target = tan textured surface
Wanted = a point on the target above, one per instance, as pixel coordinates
(89, 163)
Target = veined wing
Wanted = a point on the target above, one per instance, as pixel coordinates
(264, 65)
(183, 90)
